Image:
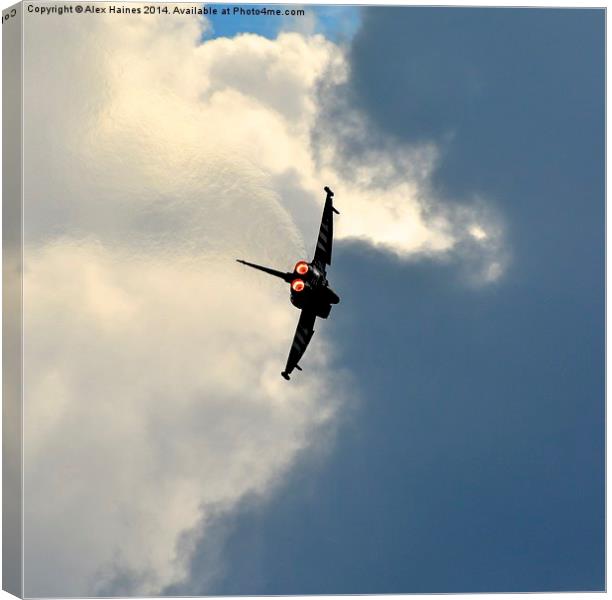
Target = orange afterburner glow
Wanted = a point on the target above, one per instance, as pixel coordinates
(297, 285)
(301, 268)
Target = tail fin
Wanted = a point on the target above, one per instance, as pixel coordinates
(288, 277)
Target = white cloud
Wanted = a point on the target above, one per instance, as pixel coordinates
(153, 393)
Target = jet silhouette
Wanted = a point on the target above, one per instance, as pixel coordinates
(310, 289)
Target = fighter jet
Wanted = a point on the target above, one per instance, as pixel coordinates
(309, 288)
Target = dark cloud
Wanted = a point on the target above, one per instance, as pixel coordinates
(500, 87)
(476, 460)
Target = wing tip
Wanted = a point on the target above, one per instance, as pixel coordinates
(330, 195)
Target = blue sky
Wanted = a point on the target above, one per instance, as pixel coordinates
(475, 460)
(337, 23)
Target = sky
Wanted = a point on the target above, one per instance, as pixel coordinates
(447, 432)
(337, 23)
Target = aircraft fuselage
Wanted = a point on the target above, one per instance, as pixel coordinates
(310, 289)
